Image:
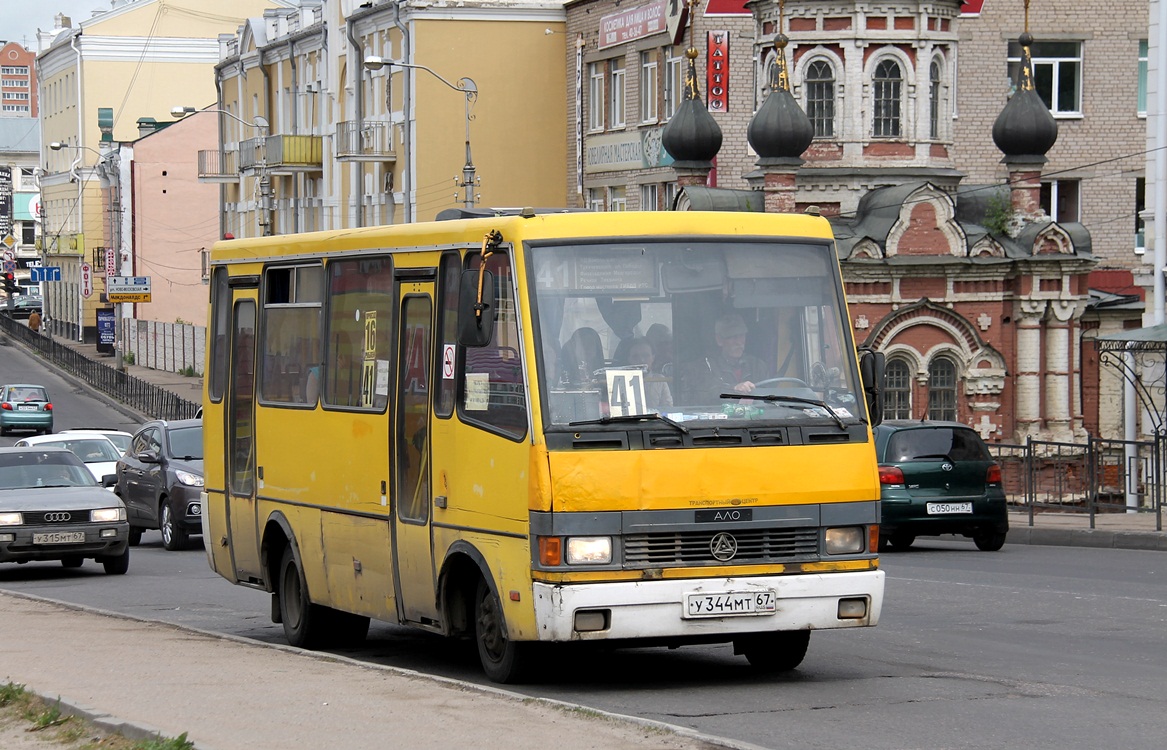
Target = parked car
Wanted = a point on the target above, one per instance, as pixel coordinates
(25, 407)
(52, 509)
(160, 479)
(938, 478)
(117, 437)
(23, 306)
(97, 452)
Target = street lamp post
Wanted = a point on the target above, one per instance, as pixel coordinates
(57, 146)
(466, 86)
(265, 193)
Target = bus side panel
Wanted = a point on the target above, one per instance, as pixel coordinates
(214, 530)
(358, 566)
(714, 477)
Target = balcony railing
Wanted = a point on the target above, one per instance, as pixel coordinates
(364, 141)
(295, 152)
(252, 153)
(218, 165)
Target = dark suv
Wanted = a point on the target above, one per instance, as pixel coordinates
(938, 478)
(160, 479)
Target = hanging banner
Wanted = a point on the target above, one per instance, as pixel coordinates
(717, 71)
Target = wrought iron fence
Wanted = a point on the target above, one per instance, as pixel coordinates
(154, 402)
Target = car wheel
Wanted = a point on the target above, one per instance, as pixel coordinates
(901, 540)
(72, 561)
(774, 652)
(117, 566)
(990, 541)
(306, 625)
(135, 536)
(173, 536)
(502, 659)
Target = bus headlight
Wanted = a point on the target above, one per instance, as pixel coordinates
(844, 540)
(589, 550)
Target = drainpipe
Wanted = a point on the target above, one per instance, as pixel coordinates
(80, 186)
(407, 106)
(357, 78)
(295, 131)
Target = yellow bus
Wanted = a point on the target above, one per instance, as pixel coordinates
(529, 427)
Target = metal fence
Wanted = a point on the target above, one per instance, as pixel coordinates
(154, 402)
(1097, 476)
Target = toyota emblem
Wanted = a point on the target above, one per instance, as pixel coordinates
(946, 466)
(58, 516)
(723, 546)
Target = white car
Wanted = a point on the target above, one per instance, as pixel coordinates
(117, 437)
(98, 452)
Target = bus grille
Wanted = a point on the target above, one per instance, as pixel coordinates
(693, 547)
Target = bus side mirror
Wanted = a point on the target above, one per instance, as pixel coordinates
(871, 367)
(475, 309)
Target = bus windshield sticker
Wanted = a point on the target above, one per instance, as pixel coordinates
(477, 391)
(625, 391)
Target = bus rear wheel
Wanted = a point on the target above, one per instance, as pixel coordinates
(779, 651)
(305, 623)
(502, 659)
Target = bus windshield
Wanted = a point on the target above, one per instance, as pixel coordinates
(695, 330)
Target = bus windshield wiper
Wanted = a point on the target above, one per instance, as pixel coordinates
(790, 399)
(632, 418)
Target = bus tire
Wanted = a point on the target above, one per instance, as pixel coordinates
(502, 659)
(779, 651)
(305, 623)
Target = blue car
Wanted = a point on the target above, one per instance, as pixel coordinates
(25, 407)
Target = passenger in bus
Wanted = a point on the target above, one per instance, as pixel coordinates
(657, 394)
(661, 338)
(730, 369)
(581, 358)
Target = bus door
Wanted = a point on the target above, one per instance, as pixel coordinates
(241, 472)
(413, 568)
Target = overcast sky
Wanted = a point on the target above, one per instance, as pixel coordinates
(19, 19)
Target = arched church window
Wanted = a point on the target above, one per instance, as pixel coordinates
(820, 98)
(887, 92)
(897, 394)
(942, 389)
(934, 100)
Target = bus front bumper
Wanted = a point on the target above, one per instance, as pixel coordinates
(679, 609)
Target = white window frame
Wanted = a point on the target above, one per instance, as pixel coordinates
(617, 198)
(617, 110)
(900, 117)
(596, 199)
(650, 197)
(596, 100)
(806, 86)
(1058, 66)
(1056, 189)
(674, 81)
(648, 86)
(1144, 60)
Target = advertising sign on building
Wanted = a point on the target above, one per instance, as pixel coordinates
(86, 280)
(717, 71)
(614, 152)
(106, 330)
(111, 263)
(5, 201)
(632, 24)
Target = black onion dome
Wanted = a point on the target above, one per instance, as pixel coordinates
(1025, 130)
(780, 129)
(691, 136)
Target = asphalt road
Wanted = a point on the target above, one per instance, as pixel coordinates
(1036, 647)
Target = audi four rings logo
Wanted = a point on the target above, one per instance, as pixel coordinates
(58, 516)
(723, 546)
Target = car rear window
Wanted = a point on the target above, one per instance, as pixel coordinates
(27, 393)
(935, 443)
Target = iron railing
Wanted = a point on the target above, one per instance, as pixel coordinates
(147, 398)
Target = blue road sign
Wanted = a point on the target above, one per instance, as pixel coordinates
(44, 273)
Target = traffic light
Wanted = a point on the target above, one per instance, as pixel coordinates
(10, 284)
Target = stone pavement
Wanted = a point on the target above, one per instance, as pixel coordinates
(146, 677)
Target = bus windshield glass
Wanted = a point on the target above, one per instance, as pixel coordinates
(696, 331)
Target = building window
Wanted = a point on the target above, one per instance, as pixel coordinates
(942, 390)
(934, 100)
(820, 98)
(649, 198)
(595, 199)
(670, 195)
(648, 86)
(596, 96)
(617, 107)
(1140, 207)
(1143, 77)
(897, 394)
(14, 70)
(1060, 199)
(617, 198)
(1057, 74)
(888, 85)
(674, 82)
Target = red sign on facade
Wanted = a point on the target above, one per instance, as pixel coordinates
(634, 23)
(717, 71)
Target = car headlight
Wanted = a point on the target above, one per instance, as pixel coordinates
(844, 540)
(190, 480)
(106, 515)
(589, 550)
(10, 519)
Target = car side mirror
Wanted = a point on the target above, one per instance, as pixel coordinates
(476, 308)
(871, 370)
(149, 457)
(109, 480)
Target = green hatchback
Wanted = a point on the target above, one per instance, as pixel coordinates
(938, 478)
(25, 407)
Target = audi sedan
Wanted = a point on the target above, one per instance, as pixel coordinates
(52, 509)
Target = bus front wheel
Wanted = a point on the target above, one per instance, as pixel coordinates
(502, 659)
(779, 651)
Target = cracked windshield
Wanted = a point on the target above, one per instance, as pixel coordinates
(693, 331)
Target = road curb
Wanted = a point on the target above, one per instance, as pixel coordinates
(1098, 538)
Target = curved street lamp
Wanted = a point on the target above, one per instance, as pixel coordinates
(467, 87)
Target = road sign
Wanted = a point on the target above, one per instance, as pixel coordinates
(127, 285)
(9, 266)
(127, 297)
(86, 280)
(38, 274)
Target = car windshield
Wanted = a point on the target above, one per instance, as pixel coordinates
(29, 469)
(696, 330)
(935, 443)
(186, 442)
(89, 450)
